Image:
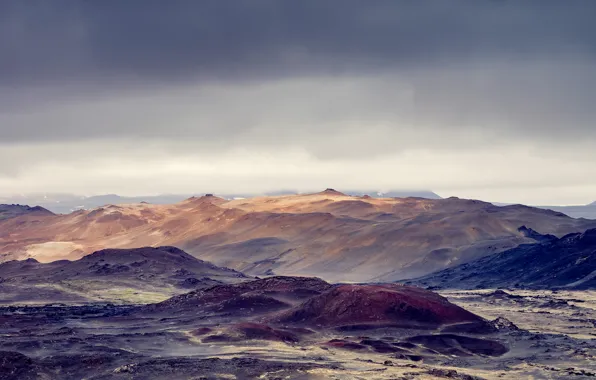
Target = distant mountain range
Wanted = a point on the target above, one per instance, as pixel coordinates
(587, 211)
(568, 263)
(13, 210)
(581, 211)
(67, 203)
(328, 234)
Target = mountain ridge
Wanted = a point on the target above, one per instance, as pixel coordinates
(113, 275)
(328, 234)
(13, 210)
(67, 203)
(568, 262)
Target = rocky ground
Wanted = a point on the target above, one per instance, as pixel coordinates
(300, 328)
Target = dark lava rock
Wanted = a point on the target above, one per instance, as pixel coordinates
(380, 346)
(479, 327)
(503, 324)
(220, 338)
(252, 302)
(201, 331)
(346, 345)
(244, 295)
(250, 330)
(186, 368)
(567, 263)
(449, 344)
(16, 366)
(404, 345)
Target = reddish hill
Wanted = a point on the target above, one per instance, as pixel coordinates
(301, 302)
(365, 306)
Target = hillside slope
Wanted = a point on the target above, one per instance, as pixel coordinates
(327, 234)
(114, 275)
(569, 262)
(14, 210)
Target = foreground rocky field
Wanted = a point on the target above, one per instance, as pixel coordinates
(305, 328)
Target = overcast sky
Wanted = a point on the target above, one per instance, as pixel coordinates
(491, 99)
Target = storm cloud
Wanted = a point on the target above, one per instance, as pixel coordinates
(473, 98)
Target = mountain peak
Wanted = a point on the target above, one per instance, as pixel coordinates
(13, 210)
(207, 197)
(330, 191)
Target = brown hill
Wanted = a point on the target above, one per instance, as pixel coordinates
(327, 234)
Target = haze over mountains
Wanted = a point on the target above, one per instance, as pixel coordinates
(328, 234)
(67, 203)
(587, 211)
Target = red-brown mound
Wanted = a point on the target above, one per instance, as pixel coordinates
(369, 306)
(252, 302)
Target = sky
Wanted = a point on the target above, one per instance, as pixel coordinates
(493, 100)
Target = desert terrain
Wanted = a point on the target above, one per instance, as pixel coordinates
(193, 291)
(328, 234)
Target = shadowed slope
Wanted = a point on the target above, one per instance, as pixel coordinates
(111, 275)
(371, 306)
(12, 211)
(569, 262)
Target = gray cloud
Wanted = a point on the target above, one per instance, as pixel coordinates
(84, 84)
(69, 40)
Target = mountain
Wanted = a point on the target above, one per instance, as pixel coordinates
(396, 194)
(114, 275)
(14, 210)
(565, 263)
(67, 203)
(587, 211)
(328, 234)
(304, 303)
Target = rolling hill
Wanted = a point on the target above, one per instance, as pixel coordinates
(111, 275)
(565, 263)
(13, 210)
(67, 203)
(327, 234)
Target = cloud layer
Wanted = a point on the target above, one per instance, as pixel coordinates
(490, 99)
